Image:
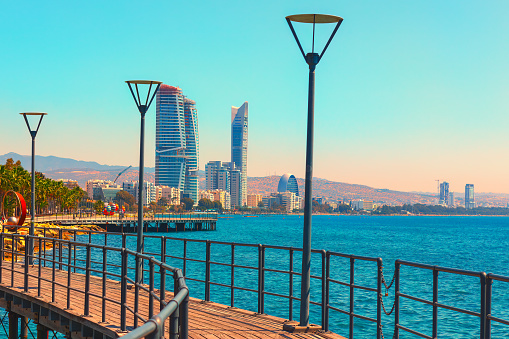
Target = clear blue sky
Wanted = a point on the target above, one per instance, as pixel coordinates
(408, 92)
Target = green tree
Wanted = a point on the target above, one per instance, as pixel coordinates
(124, 197)
(188, 203)
(98, 206)
(163, 202)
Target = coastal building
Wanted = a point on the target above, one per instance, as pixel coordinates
(253, 200)
(239, 132)
(469, 196)
(236, 188)
(149, 191)
(288, 183)
(69, 183)
(177, 141)
(171, 194)
(444, 193)
(217, 175)
(217, 195)
(95, 188)
(450, 203)
(362, 205)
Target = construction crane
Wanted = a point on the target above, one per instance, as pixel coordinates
(121, 173)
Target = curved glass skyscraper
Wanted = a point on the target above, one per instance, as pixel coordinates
(177, 141)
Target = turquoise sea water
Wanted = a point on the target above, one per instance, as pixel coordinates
(470, 243)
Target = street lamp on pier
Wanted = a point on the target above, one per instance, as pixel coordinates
(312, 59)
(33, 134)
(142, 108)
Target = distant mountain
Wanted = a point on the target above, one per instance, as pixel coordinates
(340, 191)
(51, 163)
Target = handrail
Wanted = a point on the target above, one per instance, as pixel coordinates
(62, 259)
(327, 276)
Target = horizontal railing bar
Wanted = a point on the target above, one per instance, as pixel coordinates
(441, 269)
(338, 310)
(352, 256)
(497, 277)
(461, 310)
(414, 298)
(499, 320)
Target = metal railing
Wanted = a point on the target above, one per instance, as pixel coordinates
(240, 275)
(62, 255)
(434, 303)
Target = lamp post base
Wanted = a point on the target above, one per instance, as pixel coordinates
(294, 327)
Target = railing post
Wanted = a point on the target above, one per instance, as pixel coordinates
(324, 287)
(105, 276)
(379, 299)
(327, 292)
(162, 291)
(174, 318)
(53, 272)
(483, 305)
(139, 274)
(435, 301)
(489, 283)
(60, 258)
(261, 278)
(40, 267)
(352, 292)
(123, 292)
(232, 276)
(151, 290)
(184, 316)
(290, 300)
(25, 280)
(396, 299)
(13, 325)
(207, 272)
(69, 278)
(87, 282)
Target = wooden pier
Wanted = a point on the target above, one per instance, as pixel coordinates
(206, 319)
(165, 224)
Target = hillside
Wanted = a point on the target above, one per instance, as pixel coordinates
(340, 191)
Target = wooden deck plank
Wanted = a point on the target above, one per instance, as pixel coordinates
(206, 319)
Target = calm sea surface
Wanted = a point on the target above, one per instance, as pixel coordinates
(470, 243)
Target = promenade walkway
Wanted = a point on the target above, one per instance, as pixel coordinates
(55, 310)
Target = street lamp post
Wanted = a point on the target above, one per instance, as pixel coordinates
(33, 134)
(312, 59)
(142, 108)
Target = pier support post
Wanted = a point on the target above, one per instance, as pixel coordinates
(23, 327)
(42, 332)
(13, 325)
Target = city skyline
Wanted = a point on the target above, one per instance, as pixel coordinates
(397, 77)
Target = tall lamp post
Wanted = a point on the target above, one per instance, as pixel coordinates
(33, 134)
(312, 59)
(143, 108)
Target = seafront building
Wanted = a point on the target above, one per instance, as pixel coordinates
(239, 129)
(469, 196)
(444, 193)
(177, 141)
(149, 191)
(288, 183)
(171, 194)
(104, 190)
(69, 183)
(253, 200)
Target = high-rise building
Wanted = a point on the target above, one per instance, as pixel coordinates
(451, 199)
(469, 196)
(444, 193)
(288, 183)
(239, 122)
(217, 176)
(236, 188)
(149, 191)
(177, 141)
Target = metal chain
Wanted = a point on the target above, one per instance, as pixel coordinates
(383, 306)
(382, 333)
(383, 279)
